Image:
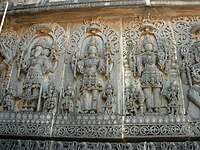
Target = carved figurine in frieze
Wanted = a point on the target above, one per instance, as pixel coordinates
(50, 99)
(135, 101)
(91, 67)
(110, 100)
(172, 95)
(67, 102)
(36, 68)
(146, 146)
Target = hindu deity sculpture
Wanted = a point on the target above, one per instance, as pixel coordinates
(91, 68)
(135, 101)
(67, 102)
(172, 95)
(50, 99)
(150, 68)
(110, 101)
(36, 68)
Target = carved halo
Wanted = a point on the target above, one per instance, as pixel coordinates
(102, 33)
(52, 34)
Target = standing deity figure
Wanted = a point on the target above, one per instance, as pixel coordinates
(35, 68)
(50, 97)
(149, 68)
(91, 67)
(109, 96)
(67, 96)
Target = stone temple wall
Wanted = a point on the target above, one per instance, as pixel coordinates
(100, 76)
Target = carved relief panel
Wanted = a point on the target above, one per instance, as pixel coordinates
(151, 78)
(92, 67)
(187, 33)
(38, 70)
(87, 84)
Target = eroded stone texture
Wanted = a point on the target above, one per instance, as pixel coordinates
(60, 145)
(188, 53)
(75, 77)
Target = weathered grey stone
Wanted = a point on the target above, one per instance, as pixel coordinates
(130, 75)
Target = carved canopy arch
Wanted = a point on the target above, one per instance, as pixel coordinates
(103, 33)
(52, 33)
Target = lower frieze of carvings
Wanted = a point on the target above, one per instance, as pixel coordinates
(8, 144)
(25, 124)
(96, 126)
(168, 125)
(88, 126)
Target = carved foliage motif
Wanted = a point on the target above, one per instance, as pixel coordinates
(187, 32)
(149, 58)
(8, 47)
(8, 44)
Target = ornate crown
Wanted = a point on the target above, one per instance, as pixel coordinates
(147, 40)
(92, 42)
(147, 27)
(42, 42)
(93, 27)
